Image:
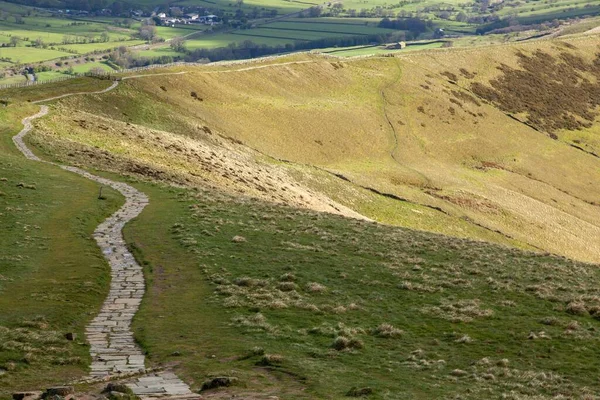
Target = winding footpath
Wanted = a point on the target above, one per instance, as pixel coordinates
(112, 346)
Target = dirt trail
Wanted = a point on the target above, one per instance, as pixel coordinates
(113, 348)
(111, 87)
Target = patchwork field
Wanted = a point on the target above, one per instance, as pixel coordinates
(41, 37)
(290, 31)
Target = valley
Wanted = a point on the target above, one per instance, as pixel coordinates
(418, 225)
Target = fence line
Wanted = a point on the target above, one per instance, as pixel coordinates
(114, 75)
(33, 83)
(102, 75)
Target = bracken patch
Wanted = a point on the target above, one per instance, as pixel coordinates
(555, 93)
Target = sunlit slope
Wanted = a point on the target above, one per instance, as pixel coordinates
(419, 128)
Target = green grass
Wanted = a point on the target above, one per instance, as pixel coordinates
(282, 6)
(22, 55)
(166, 32)
(53, 32)
(81, 68)
(224, 39)
(90, 47)
(52, 275)
(157, 52)
(373, 22)
(13, 8)
(326, 27)
(48, 75)
(277, 34)
(211, 301)
(58, 29)
(45, 91)
(288, 31)
(13, 79)
(581, 27)
(477, 320)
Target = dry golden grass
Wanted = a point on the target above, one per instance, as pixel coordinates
(334, 136)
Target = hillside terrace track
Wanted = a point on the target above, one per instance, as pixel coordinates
(112, 345)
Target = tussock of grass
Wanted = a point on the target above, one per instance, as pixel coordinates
(45, 289)
(387, 331)
(343, 343)
(315, 287)
(459, 311)
(477, 294)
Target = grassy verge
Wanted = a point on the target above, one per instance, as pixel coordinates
(52, 275)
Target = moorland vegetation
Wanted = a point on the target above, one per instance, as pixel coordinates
(318, 227)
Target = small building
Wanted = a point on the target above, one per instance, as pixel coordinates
(210, 19)
(192, 16)
(396, 46)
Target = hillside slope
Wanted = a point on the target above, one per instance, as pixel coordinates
(425, 140)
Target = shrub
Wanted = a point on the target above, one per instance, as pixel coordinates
(576, 308)
(342, 343)
(271, 359)
(287, 277)
(286, 286)
(387, 331)
(359, 392)
(315, 287)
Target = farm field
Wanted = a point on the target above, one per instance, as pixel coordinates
(81, 68)
(91, 47)
(13, 79)
(326, 27)
(58, 29)
(224, 39)
(543, 7)
(167, 32)
(288, 31)
(157, 52)
(45, 76)
(30, 54)
(58, 37)
(282, 6)
(13, 8)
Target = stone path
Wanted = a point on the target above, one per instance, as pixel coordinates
(113, 349)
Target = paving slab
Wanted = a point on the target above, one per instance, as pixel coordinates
(112, 345)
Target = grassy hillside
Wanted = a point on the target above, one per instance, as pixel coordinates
(52, 276)
(419, 129)
(305, 305)
(247, 280)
